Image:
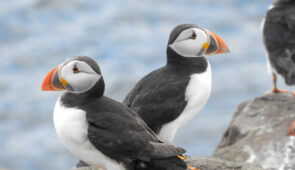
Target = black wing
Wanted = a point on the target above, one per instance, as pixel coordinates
(159, 97)
(279, 40)
(114, 130)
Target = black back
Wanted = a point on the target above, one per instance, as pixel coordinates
(159, 97)
(279, 38)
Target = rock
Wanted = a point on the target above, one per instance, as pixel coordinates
(211, 163)
(258, 133)
(3, 168)
(208, 163)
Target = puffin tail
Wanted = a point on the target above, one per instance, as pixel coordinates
(171, 163)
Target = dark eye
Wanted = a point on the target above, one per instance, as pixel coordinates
(193, 36)
(292, 129)
(75, 69)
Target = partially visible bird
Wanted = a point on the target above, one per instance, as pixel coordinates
(291, 131)
(100, 131)
(169, 97)
(279, 40)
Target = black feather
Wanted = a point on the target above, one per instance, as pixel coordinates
(162, 150)
(159, 97)
(279, 39)
(116, 130)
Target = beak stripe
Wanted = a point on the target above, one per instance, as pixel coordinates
(52, 82)
(47, 83)
(213, 46)
(64, 81)
(217, 45)
(205, 46)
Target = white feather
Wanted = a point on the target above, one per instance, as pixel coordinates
(72, 129)
(269, 68)
(187, 47)
(82, 81)
(271, 7)
(197, 94)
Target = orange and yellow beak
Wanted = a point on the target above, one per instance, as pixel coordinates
(52, 81)
(216, 45)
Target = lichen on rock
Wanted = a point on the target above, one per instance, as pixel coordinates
(258, 133)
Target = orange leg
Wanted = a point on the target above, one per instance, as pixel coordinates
(182, 157)
(193, 168)
(293, 93)
(279, 91)
(189, 167)
(275, 88)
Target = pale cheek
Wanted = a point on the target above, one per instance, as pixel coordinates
(82, 82)
(188, 48)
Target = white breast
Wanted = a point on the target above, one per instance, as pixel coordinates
(271, 7)
(197, 94)
(269, 68)
(72, 129)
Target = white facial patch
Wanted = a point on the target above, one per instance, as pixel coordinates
(187, 46)
(82, 80)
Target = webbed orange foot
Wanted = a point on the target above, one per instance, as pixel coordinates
(276, 90)
(182, 157)
(192, 168)
(279, 91)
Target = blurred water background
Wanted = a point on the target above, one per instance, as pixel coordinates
(128, 39)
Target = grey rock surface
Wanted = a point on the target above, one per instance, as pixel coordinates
(3, 168)
(258, 133)
(210, 163)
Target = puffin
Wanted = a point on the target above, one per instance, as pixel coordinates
(100, 131)
(169, 97)
(278, 30)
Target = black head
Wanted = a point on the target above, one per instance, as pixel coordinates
(87, 60)
(177, 30)
(189, 40)
(76, 75)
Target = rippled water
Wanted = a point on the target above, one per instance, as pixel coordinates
(128, 39)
